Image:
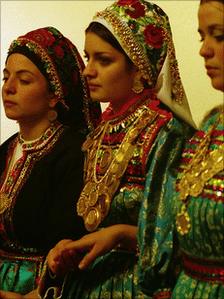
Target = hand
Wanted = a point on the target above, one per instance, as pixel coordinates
(12, 295)
(68, 254)
(61, 260)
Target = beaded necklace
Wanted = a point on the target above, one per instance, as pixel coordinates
(12, 175)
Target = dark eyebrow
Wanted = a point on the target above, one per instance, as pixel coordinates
(213, 27)
(19, 72)
(99, 53)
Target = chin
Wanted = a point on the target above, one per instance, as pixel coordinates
(99, 99)
(10, 116)
(218, 85)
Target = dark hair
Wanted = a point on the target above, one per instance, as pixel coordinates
(107, 36)
(205, 1)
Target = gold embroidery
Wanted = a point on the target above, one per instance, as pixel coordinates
(4, 202)
(34, 153)
(95, 199)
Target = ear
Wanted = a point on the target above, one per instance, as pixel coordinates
(52, 101)
(138, 85)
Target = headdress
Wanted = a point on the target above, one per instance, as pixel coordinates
(59, 61)
(143, 30)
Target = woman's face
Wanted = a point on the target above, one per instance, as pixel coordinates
(109, 76)
(211, 29)
(25, 91)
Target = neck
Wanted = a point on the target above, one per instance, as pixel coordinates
(130, 104)
(33, 131)
(122, 103)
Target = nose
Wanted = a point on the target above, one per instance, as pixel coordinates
(89, 70)
(206, 50)
(9, 87)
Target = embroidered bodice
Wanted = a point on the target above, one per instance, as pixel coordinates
(117, 154)
(16, 174)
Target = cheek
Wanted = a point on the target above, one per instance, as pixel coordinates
(220, 55)
(120, 78)
(36, 93)
(34, 98)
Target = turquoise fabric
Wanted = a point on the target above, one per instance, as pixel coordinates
(44, 220)
(205, 241)
(18, 276)
(115, 274)
(206, 238)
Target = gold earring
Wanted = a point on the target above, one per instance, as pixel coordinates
(137, 83)
(52, 115)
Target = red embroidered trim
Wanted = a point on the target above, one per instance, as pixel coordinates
(129, 106)
(162, 295)
(37, 259)
(204, 269)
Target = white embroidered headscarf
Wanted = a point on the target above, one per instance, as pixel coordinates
(143, 30)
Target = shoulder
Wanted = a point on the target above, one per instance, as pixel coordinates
(67, 149)
(71, 138)
(169, 122)
(4, 146)
(214, 117)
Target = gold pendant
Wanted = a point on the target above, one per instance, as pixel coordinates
(81, 207)
(183, 223)
(105, 160)
(92, 220)
(104, 202)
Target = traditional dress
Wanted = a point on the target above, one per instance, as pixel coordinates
(141, 143)
(196, 211)
(40, 180)
(138, 144)
(152, 139)
(36, 203)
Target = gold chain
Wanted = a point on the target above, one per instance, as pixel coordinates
(95, 199)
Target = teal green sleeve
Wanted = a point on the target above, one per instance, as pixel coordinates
(156, 219)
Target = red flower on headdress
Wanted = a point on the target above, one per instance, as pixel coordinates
(127, 2)
(154, 36)
(42, 37)
(59, 51)
(136, 9)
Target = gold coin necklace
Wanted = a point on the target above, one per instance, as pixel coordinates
(202, 167)
(95, 199)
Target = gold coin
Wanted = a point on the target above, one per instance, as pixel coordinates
(92, 220)
(106, 159)
(115, 168)
(93, 197)
(104, 201)
(88, 187)
(81, 207)
(119, 157)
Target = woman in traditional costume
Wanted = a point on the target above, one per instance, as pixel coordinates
(131, 64)
(41, 166)
(195, 201)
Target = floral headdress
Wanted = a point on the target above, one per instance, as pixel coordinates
(59, 61)
(143, 30)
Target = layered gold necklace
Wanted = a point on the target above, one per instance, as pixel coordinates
(202, 167)
(95, 199)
